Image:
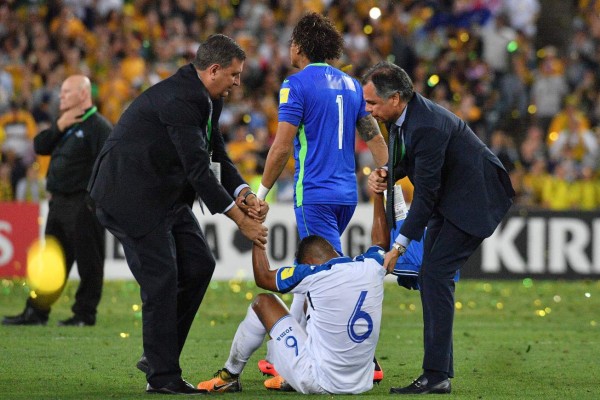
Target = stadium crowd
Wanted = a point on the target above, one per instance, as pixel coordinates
(537, 108)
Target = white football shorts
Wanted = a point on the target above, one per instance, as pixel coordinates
(287, 352)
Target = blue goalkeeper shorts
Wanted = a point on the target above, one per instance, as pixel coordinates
(326, 220)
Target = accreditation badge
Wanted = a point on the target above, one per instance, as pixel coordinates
(400, 209)
(215, 167)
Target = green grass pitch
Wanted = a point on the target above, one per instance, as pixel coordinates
(524, 339)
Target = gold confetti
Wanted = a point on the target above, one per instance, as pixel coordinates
(556, 298)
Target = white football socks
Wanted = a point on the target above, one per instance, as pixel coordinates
(248, 338)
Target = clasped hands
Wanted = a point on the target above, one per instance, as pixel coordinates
(250, 204)
(255, 211)
(377, 183)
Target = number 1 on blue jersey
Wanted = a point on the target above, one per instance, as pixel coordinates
(339, 99)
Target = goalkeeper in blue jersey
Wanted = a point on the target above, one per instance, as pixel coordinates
(320, 110)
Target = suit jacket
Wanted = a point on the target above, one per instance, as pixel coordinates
(453, 172)
(158, 155)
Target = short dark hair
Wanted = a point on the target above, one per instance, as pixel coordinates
(389, 79)
(317, 37)
(314, 246)
(218, 49)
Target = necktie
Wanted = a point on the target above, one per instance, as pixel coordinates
(389, 207)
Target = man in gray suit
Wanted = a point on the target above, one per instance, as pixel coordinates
(165, 150)
(462, 192)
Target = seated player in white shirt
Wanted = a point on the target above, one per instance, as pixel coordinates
(334, 352)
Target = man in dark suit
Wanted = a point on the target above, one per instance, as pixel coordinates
(462, 192)
(165, 150)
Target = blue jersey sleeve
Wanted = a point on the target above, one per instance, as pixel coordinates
(288, 278)
(410, 262)
(377, 253)
(363, 104)
(291, 101)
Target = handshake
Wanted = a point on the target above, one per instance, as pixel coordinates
(249, 216)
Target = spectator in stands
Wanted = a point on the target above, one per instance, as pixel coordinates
(532, 183)
(19, 127)
(31, 188)
(37, 48)
(523, 15)
(532, 147)
(575, 142)
(16, 166)
(586, 190)
(6, 190)
(6, 87)
(503, 147)
(495, 37)
(242, 149)
(549, 87)
(569, 113)
(557, 193)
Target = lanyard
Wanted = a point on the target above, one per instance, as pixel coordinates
(403, 147)
(85, 116)
(209, 127)
(399, 132)
(89, 113)
(209, 134)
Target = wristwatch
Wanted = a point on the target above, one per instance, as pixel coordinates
(399, 248)
(248, 193)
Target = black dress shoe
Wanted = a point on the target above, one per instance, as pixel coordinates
(76, 321)
(29, 316)
(422, 386)
(177, 387)
(143, 365)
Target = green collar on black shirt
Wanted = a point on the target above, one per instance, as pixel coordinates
(89, 113)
